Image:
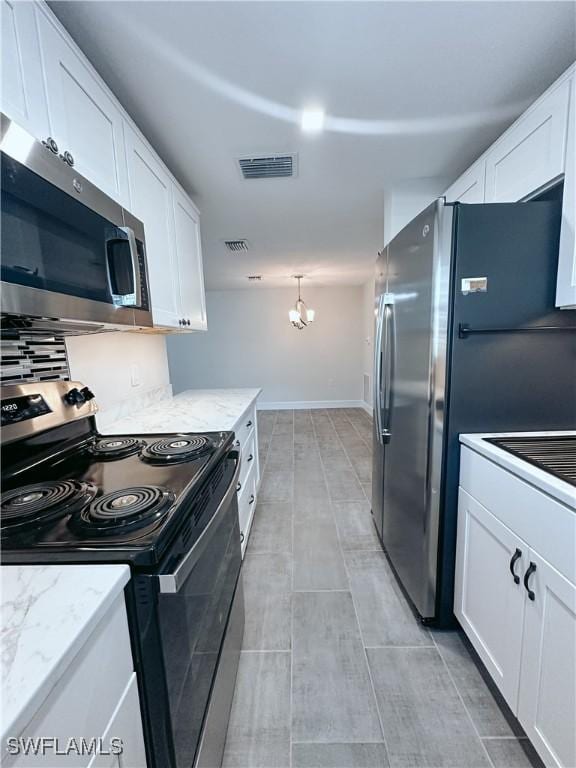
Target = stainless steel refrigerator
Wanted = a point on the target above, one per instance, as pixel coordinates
(467, 339)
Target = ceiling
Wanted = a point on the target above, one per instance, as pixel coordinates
(411, 89)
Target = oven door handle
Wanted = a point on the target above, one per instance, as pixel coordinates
(170, 583)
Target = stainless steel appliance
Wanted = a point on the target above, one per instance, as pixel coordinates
(164, 504)
(467, 339)
(72, 258)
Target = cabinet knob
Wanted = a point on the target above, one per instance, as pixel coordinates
(250, 458)
(67, 158)
(51, 145)
(251, 499)
(249, 424)
(238, 487)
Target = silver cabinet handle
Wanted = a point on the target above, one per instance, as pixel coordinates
(250, 458)
(252, 499)
(249, 424)
(170, 583)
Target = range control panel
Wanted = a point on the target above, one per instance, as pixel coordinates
(26, 409)
(15, 409)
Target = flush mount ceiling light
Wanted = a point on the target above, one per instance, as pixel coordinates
(312, 120)
(301, 315)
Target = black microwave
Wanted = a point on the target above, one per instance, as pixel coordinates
(72, 258)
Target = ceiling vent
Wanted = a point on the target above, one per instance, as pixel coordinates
(236, 245)
(254, 278)
(268, 166)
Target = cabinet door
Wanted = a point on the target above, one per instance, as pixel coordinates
(488, 602)
(469, 188)
(532, 152)
(151, 201)
(84, 119)
(126, 725)
(189, 262)
(566, 286)
(22, 95)
(547, 701)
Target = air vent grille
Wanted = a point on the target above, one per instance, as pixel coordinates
(236, 245)
(268, 166)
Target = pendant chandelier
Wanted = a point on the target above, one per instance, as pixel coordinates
(301, 315)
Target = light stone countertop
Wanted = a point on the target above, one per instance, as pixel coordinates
(546, 482)
(196, 410)
(48, 612)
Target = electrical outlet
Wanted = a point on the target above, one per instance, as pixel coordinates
(135, 375)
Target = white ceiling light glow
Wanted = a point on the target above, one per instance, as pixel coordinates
(312, 120)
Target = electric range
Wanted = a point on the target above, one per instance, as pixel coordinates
(166, 505)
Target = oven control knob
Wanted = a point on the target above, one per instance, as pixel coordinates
(74, 397)
(87, 394)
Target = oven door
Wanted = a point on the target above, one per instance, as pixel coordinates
(195, 614)
(67, 251)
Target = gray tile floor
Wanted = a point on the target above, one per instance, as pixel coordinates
(336, 672)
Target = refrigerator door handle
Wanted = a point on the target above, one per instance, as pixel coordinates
(390, 341)
(378, 370)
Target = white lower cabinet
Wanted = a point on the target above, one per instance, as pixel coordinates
(519, 613)
(489, 602)
(125, 724)
(246, 431)
(547, 700)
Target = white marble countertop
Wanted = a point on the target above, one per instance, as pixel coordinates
(48, 613)
(196, 410)
(546, 482)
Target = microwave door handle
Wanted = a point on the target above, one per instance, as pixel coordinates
(377, 384)
(131, 237)
(170, 583)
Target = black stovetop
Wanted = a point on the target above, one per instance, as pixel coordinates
(555, 454)
(109, 485)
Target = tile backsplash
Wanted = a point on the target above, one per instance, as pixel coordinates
(28, 358)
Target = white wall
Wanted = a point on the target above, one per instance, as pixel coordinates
(109, 363)
(250, 343)
(406, 200)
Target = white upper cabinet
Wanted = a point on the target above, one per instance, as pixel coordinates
(22, 95)
(566, 286)
(190, 274)
(469, 188)
(532, 152)
(151, 201)
(84, 119)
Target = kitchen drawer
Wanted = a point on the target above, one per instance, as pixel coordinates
(246, 506)
(245, 425)
(543, 522)
(85, 698)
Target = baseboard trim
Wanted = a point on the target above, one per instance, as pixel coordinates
(297, 405)
(368, 408)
